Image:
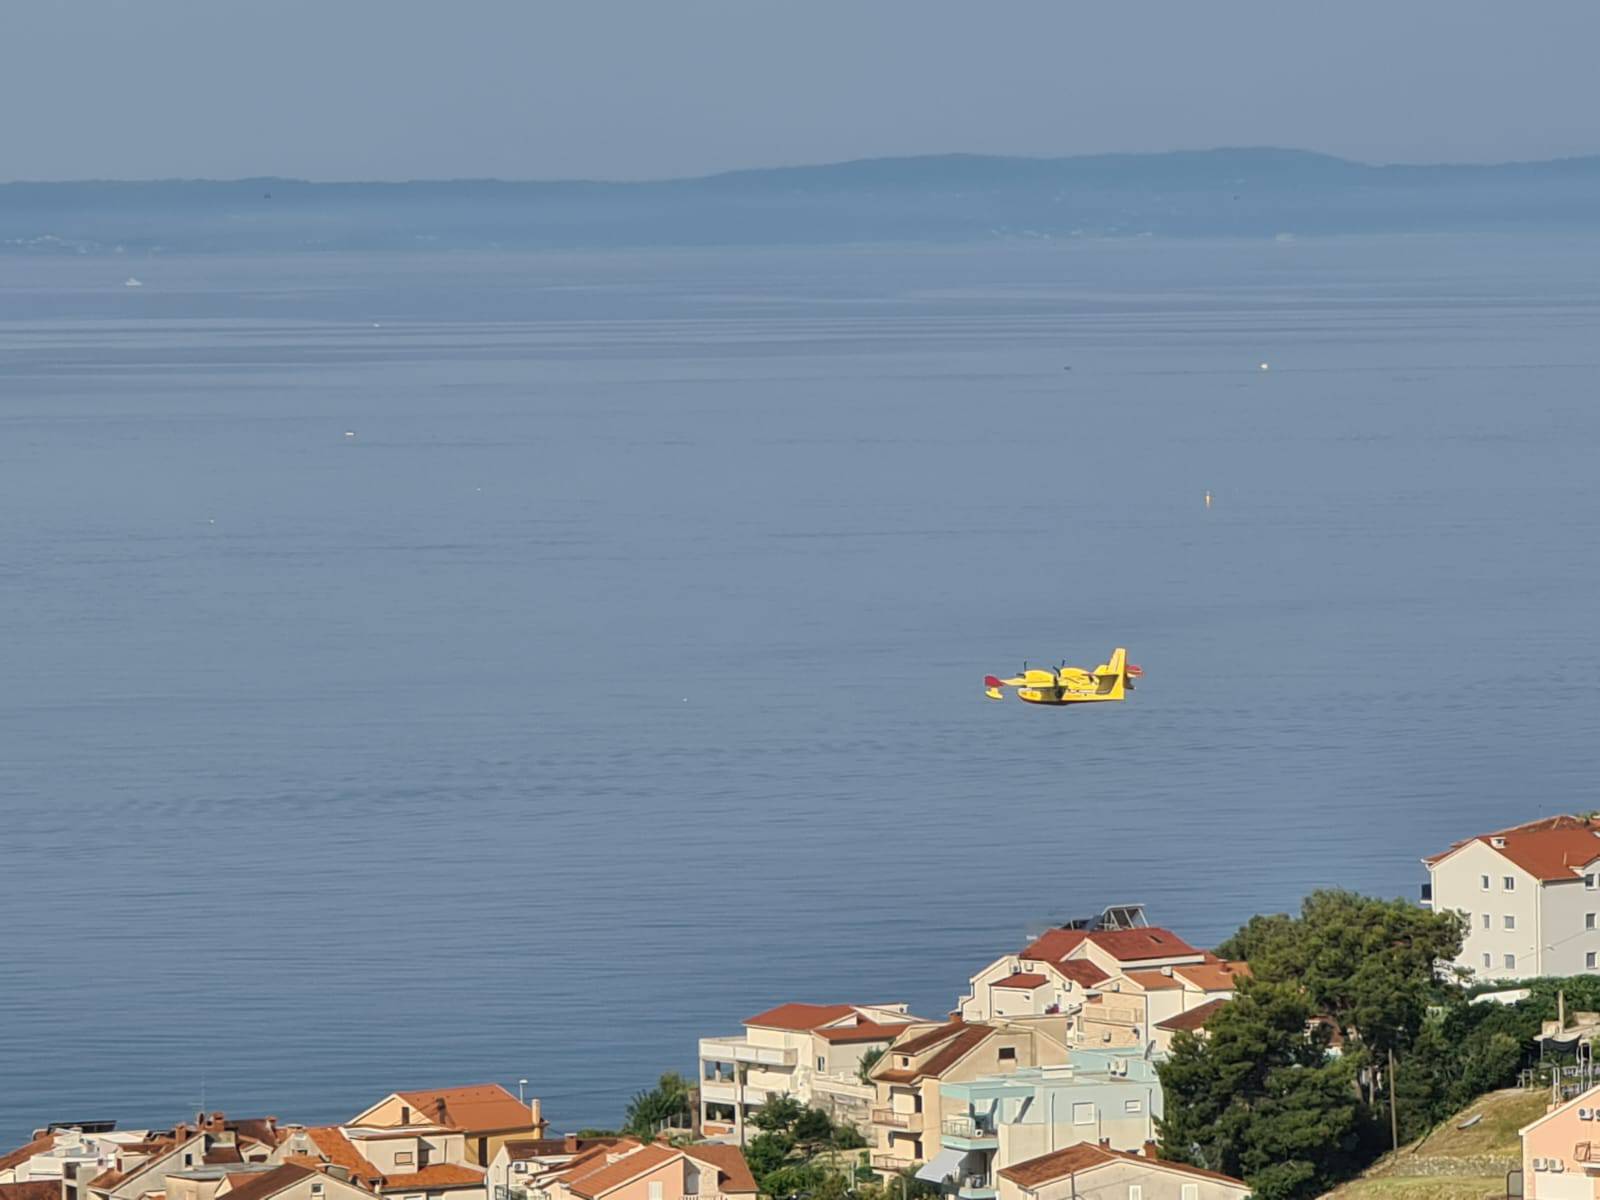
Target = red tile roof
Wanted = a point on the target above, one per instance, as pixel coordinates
(1214, 976)
(1154, 981)
(1138, 945)
(1082, 972)
(1024, 980)
(22, 1154)
(1125, 945)
(1054, 945)
(479, 1108)
(222, 1155)
(341, 1152)
(1087, 1156)
(956, 1039)
(730, 1164)
(862, 1031)
(262, 1184)
(440, 1175)
(595, 1178)
(1193, 1019)
(1551, 849)
(931, 1037)
(108, 1179)
(523, 1149)
(33, 1189)
(800, 1017)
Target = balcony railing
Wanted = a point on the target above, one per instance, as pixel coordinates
(895, 1119)
(890, 1162)
(977, 1182)
(966, 1127)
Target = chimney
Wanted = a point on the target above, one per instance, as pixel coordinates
(569, 1143)
(536, 1113)
(439, 1111)
(272, 1124)
(1151, 1150)
(1105, 1143)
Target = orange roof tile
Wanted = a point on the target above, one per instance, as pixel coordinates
(931, 1037)
(1023, 980)
(261, 1184)
(1551, 849)
(1082, 972)
(440, 1175)
(341, 1152)
(22, 1154)
(730, 1164)
(1153, 981)
(108, 1179)
(1214, 977)
(800, 1017)
(1195, 1018)
(1138, 945)
(596, 1178)
(478, 1108)
(1086, 1156)
(1054, 945)
(32, 1189)
(862, 1031)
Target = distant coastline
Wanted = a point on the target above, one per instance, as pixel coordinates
(952, 198)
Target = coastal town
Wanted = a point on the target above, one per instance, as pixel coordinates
(1051, 1077)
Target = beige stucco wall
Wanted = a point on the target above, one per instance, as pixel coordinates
(1559, 1137)
(1458, 885)
(1111, 1182)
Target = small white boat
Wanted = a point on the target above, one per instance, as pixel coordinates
(130, 281)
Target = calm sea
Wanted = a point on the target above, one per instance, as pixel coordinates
(432, 669)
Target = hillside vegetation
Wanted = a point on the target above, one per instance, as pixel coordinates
(1452, 1163)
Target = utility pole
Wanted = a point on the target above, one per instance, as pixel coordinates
(1394, 1118)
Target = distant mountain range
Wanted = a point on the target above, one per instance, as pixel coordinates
(952, 197)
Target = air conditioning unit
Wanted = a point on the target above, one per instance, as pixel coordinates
(1538, 1164)
(1557, 1165)
(1586, 1114)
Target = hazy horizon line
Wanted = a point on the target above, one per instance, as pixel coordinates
(821, 164)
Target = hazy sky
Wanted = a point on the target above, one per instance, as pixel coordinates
(345, 89)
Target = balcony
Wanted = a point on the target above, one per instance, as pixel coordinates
(891, 1162)
(894, 1119)
(976, 1186)
(734, 1049)
(969, 1133)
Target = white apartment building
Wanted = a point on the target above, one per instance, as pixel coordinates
(1530, 895)
(812, 1052)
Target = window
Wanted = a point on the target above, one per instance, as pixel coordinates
(403, 1158)
(1132, 1106)
(1589, 881)
(1191, 1191)
(316, 1189)
(657, 1189)
(1008, 1054)
(1486, 920)
(1588, 920)
(1511, 962)
(1511, 922)
(1487, 962)
(822, 1063)
(1483, 882)
(1083, 1114)
(1588, 961)
(916, 1102)
(405, 1111)
(1508, 883)
(1135, 1192)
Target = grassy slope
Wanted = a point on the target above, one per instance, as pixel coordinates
(1453, 1163)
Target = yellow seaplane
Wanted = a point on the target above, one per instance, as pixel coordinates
(1069, 685)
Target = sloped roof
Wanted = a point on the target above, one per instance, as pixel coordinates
(440, 1175)
(1551, 849)
(341, 1151)
(1125, 945)
(1082, 972)
(1025, 981)
(594, 1179)
(1086, 1156)
(863, 1031)
(959, 1039)
(798, 1018)
(1214, 976)
(262, 1184)
(1193, 1019)
(22, 1154)
(1153, 981)
(33, 1189)
(729, 1161)
(477, 1108)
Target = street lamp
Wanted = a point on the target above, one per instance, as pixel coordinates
(521, 1083)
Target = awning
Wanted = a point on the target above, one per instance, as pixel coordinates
(941, 1166)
